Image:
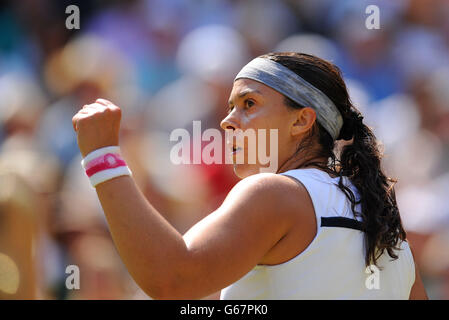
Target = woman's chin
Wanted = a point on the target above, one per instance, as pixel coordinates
(245, 170)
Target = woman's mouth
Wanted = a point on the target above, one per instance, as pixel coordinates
(236, 149)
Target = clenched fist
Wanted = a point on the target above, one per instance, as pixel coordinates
(97, 125)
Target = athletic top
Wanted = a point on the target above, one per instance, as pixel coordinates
(333, 265)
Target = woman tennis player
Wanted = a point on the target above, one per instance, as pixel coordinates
(323, 226)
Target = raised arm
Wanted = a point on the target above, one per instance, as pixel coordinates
(215, 252)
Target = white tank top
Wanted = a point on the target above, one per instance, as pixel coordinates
(333, 265)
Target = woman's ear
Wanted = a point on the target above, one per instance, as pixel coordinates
(305, 118)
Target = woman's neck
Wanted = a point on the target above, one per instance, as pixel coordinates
(299, 161)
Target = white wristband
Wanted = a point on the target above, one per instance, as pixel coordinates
(104, 164)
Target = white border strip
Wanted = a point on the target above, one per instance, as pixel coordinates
(108, 174)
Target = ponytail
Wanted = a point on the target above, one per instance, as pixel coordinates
(360, 161)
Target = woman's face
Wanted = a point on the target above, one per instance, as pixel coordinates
(253, 105)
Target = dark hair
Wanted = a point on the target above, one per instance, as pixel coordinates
(360, 160)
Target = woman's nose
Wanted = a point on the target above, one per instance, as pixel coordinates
(230, 122)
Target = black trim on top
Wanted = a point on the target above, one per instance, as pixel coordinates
(341, 222)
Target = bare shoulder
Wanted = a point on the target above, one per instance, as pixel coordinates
(272, 192)
(268, 184)
(292, 204)
(259, 213)
(281, 204)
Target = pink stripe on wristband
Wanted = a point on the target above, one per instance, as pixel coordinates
(104, 162)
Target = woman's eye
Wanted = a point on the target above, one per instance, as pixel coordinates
(249, 103)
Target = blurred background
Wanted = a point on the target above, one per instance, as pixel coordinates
(169, 62)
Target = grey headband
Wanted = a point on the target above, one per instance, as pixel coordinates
(291, 85)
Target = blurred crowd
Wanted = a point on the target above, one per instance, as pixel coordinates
(169, 62)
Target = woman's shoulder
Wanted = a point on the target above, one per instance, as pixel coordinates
(273, 192)
(312, 173)
(288, 201)
(268, 184)
(281, 189)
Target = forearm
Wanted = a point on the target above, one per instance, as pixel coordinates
(153, 251)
